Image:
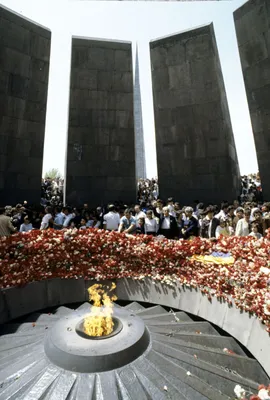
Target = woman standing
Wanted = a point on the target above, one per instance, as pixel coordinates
(151, 225)
(242, 227)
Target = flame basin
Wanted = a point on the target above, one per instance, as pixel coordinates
(68, 349)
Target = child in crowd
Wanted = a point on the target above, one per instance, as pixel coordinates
(26, 226)
(140, 230)
(222, 229)
(83, 224)
(255, 231)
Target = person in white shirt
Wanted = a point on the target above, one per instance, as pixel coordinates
(223, 211)
(111, 220)
(242, 227)
(158, 211)
(254, 210)
(46, 219)
(150, 225)
(138, 214)
(222, 229)
(26, 226)
(170, 205)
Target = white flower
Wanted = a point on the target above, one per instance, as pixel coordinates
(265, 270)
(263, 394)
(239, 391)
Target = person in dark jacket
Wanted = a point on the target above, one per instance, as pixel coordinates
(209, 224)
(190, 224)
(140, 229)
(168, 225)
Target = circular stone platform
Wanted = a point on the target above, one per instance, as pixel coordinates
(164, 355)
(67, 349)
(247, 329)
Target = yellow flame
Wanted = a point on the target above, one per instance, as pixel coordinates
(99, 322)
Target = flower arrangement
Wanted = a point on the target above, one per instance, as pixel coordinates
(98, 254)
(263, 393)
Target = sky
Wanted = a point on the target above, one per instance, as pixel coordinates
(140, 22)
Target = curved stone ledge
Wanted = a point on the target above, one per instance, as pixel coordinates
(248, 330)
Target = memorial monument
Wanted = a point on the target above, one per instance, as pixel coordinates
(253, 35)
(24, 70)
(101, 150)
(196, 155)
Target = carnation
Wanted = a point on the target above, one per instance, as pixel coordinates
(98, 254)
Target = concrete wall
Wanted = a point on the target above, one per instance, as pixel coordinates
(24, 70)
(252, 22)
(101, 151)
(196, 154)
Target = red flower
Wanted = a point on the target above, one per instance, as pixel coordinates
(98, 254)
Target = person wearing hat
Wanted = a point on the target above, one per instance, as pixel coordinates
(190, 226)
(209, 223)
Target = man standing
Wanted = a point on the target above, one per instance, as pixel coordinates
(209, 224)
(111, 220)
(223, 211)
(47, 219)
(68, 216)
(6, 227)
(58, 219)
(138, 214)
(168, 225)
(170, 205)
(189, 225)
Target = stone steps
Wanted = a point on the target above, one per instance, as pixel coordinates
(185, 361)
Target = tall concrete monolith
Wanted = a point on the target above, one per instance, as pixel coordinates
(24, 70)
(101, 150)
(252, 22)
(196, 155)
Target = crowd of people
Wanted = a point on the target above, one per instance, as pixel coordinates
(52, 192)
(251, 188)
(147, 191)
(151, 216)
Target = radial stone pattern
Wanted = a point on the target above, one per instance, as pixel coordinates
(154, 355)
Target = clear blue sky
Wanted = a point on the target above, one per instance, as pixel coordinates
(141, 22)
